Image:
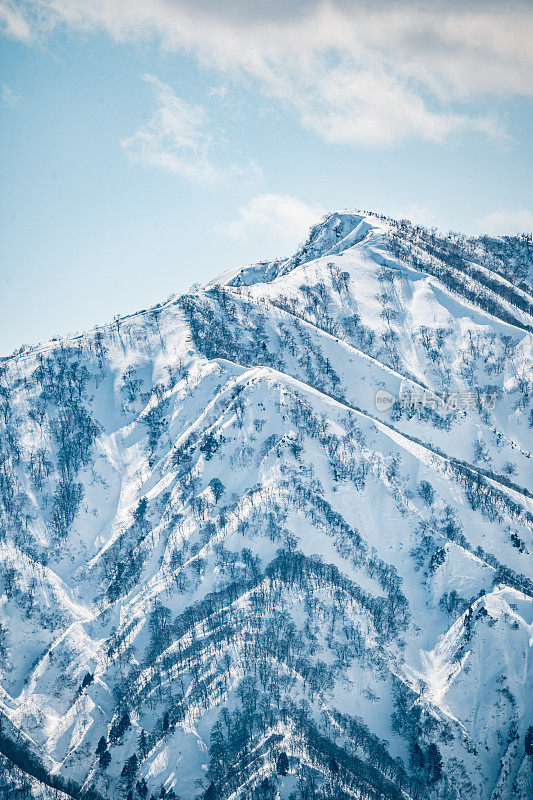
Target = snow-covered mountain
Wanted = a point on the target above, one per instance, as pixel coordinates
(274, 537)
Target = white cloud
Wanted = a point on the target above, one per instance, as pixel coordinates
(218, 91)
(9, 96)
(273, 214)
(506, 221)
(174, 138)
(14, 21)
(353, 71)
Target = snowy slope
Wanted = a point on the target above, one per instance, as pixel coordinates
(227, 570)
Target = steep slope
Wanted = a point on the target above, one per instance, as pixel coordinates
(275, 537)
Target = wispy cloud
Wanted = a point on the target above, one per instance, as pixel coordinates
(8, 96)
(426, 214)
(274, 214)
(175, 138)
(218, 91)
(506, 221)
(17, 20)
(352, 71)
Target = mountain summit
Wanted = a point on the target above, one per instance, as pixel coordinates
(273, 538)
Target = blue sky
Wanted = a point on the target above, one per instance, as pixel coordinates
(146, 151)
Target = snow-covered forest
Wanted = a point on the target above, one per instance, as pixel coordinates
(226, 572)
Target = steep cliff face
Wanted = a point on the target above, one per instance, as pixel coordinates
(275, 536)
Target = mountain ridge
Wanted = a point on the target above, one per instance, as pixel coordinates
(383, 224)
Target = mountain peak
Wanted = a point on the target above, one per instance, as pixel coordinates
(343, 229)
(337, 231)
